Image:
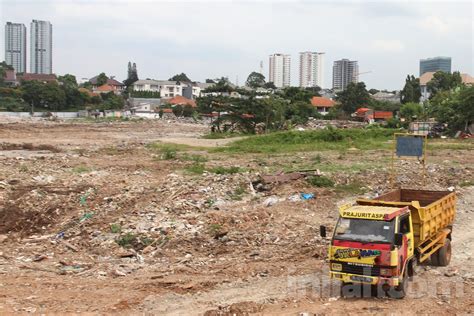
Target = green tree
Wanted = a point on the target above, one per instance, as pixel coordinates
(410, 110)
(411, 92)
(132, 75)
(255, 80)
(299, 112)
(373, 91)
(269, 85)
(32, 93)
(53, 97)
(443, 81)
(102, 79)
(454, 107)
(353, 97)
(180, 77)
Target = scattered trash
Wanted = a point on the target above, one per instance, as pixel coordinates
(272, 200)
(307, 196)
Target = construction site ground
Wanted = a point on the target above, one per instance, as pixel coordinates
(105, 217)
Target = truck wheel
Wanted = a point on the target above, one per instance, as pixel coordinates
(400, 291)
(444, 253)
(434, 259)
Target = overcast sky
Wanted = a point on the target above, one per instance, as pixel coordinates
(209, 39)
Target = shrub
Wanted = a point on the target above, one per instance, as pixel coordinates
(320, 181)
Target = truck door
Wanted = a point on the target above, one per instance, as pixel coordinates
(405, 228)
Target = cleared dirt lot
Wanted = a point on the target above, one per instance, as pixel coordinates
(94, 219)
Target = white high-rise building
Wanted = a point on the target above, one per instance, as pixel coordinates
(344, 71)
(15, 46)
(41, 47)
(311, 69)
(279, 70)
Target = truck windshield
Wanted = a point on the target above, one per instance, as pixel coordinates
(364, 230)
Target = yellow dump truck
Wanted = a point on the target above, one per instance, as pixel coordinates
(379, 242)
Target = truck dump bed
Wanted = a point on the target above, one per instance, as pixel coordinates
(432, 211)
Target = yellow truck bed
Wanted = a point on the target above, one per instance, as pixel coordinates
(432, 211)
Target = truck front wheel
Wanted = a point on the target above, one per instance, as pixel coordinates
(444, 253)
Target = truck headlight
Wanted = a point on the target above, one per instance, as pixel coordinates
(336, 266)
(388, 271)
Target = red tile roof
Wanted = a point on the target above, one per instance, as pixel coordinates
(321, 102)
(110, 81)
(38, 77)
(106, 88)
(383, 114)
(361, 111)
(182, 101)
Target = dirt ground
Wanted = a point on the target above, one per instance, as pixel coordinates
(94, 219)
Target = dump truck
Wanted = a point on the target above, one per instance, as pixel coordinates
(379, 242)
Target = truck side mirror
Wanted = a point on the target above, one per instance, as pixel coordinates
(322, 231)
(398, 241)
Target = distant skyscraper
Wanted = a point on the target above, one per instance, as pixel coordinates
(311, 69)
(435, 64)
(279, 70)
(15, 46)
(41, 47)
(344, 71)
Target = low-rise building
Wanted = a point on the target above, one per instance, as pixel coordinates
(44, 78)
(371, 116)
(10, 77)
(170, 89)
(387, 96)
(322, 104)
(427, 76)
(117, 86)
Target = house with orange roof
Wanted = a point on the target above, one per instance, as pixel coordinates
(180, 100)
(322, 104)
(371, 116)
(106, 88)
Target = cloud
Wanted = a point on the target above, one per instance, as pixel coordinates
(393, 46)
(434, 23)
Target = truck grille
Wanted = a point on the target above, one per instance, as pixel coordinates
(360, 270)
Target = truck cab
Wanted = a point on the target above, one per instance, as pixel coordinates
(373, 245)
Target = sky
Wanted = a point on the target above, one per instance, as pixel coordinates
(211, 39)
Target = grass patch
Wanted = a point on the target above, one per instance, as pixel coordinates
(320, 182)
(115, 228)
(194, 158)
(354, 188)
(196, 168)
(466, 183)
(81, 169)
(224, 170)
(222, 135)
(316, 140)
(238, 193)
(130, 240)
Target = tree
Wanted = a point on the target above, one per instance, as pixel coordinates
(181, 78)
(410, 110)
(68, 81)
(411, 91)
(454, 107)
(443, 81)
(299, 112)
(255, 80)
(353, 97)
(32, 93)
(210, 81)
(373, 91)
(102, 79)
(132, 75)
(269, 85)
